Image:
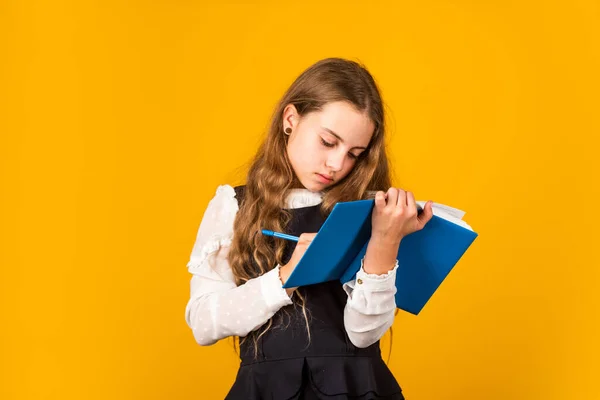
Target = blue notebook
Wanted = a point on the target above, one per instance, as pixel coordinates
(425, 257)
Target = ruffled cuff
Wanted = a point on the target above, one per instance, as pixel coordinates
(272, 290)
(375, 282)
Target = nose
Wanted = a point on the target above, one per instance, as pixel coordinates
(335, 161)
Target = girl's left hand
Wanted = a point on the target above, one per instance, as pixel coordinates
(395, 216)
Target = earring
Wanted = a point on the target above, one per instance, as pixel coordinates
(288, 130)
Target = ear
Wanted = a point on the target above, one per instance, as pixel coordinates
(290, 117)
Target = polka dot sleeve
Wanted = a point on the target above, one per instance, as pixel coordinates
(217, 307)
(371, 306)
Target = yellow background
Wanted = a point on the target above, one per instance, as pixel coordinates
(119, 119)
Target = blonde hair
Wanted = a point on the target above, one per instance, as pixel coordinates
(270, 175)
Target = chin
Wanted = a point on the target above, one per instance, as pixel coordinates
(315, 186)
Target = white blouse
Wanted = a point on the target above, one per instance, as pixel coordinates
(218, 308)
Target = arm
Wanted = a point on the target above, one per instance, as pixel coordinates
(371, 306)
(217, 307)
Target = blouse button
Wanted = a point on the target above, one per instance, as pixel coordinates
(359, 281)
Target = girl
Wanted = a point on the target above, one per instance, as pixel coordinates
(325, 145)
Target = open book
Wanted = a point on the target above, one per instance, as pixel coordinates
(425, 257)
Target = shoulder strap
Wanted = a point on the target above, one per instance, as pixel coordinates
(239, 193)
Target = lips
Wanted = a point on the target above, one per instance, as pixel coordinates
(326, 177)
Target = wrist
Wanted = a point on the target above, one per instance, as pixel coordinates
(381, 255)
(284, 274)
(385, 241)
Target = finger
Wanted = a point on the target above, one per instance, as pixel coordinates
(427, 214)
(306, 237)
(401, 199)
(380, 199)
(411, 204)
(392, 197)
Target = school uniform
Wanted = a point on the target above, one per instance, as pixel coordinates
(342, 360)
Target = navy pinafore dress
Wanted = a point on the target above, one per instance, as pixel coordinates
(288, 366)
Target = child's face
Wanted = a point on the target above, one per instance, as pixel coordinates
(323, 145)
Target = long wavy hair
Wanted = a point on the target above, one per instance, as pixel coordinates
(271, 175)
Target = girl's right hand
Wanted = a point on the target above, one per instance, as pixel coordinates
(285, 271)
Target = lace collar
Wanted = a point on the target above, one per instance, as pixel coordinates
(298, 198)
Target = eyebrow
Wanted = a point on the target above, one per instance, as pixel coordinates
(340, 139)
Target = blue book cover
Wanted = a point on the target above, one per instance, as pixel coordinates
(425, 257)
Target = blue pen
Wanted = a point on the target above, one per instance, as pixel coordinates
(279, 235)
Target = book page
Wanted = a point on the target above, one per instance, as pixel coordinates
(454, 212)
(451, 214)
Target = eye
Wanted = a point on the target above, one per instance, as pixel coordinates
(327, 144)
(353, 156)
